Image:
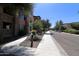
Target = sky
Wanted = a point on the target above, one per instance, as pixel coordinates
(67, 12)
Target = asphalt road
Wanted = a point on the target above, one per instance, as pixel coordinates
(69, 42)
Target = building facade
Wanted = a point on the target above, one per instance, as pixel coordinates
(11, 25)
(6, 24)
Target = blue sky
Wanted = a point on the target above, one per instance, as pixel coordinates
(67, 12)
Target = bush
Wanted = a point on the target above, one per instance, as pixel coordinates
(73, 31)
(36, 38)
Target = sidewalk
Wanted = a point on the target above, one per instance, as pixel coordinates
(48, 47)
(14, 43)
(14, 49)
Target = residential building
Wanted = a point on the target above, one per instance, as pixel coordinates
(10, 26)
(6, 24)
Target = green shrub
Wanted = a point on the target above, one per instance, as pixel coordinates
(73, 31)
(36, 38)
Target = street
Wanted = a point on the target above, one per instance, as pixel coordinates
(69, 42)
(46, 47)
(52, 44)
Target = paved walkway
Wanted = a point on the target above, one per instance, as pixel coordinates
(15, 43)
(48, 47)
(14, 49)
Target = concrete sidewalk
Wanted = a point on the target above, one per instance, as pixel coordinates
(48, 47)
(14, 43)
(14, 49)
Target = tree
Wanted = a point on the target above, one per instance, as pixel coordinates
(46, 24)
(59, 25)
(38, 25)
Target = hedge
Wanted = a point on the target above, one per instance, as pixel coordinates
(72, 31)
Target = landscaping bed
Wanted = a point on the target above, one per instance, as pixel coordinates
(27, 42)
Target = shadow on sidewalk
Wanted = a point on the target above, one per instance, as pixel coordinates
(16, 51)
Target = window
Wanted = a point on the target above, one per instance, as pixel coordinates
(6, 25)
